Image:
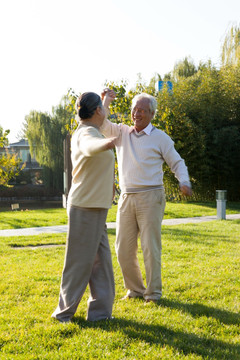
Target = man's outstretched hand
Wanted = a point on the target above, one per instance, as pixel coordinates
(107, 96)
(186, 190)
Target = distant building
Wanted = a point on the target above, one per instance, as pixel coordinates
(22, 149)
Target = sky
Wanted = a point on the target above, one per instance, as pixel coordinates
(50, 46)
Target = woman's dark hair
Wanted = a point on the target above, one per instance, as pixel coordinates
(86, 104)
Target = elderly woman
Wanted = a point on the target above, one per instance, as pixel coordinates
(88, 256)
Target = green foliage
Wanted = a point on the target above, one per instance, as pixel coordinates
(9, 168)
(9, 163)
(71, 109)
(3, 137)
(209, 128)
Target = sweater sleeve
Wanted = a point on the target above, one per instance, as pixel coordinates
(174, 161)
(90, 142)
(109, 129)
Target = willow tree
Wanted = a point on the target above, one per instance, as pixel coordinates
(231, 47)
(184, 68)
(46, 133)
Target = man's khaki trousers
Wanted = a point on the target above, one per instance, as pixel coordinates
(141, 214)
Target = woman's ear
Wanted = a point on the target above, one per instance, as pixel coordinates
(99, 110)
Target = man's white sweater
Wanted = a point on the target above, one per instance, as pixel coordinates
(141, 156)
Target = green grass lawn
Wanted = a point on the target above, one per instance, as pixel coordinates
(197, 318)
(48, 217)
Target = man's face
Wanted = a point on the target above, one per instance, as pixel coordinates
(141, 114)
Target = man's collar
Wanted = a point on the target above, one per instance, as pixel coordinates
(147, 130)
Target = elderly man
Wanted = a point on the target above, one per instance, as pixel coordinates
(141, 151)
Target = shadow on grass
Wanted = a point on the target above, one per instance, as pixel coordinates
(34, 241)
(18, 223)
(189, 234)
(187, 343)
(35, 246)
(197, 310)
(198, 236)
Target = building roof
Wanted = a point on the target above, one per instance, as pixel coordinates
(22, 142)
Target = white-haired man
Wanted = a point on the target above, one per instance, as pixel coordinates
(141, 151)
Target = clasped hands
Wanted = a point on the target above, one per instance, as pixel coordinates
(107, 96)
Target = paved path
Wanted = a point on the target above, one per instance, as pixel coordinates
(112, 225)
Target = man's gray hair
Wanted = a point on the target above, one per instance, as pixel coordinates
(152, 101)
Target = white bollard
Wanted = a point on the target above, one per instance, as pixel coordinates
(221, 197)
